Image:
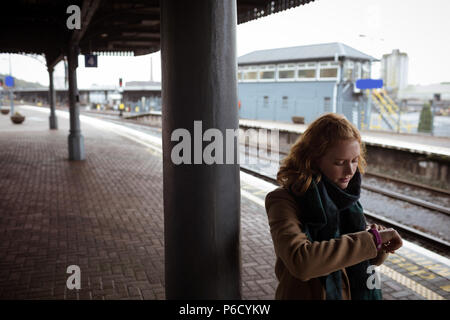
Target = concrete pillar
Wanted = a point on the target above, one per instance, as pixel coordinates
(52, 100)
(76, 140)
(201, 202)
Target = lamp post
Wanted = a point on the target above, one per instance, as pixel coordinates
(10, 90)
(2, 88)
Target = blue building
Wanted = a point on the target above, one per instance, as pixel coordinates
(305, 81)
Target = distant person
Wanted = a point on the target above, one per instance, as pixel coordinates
(323, 245)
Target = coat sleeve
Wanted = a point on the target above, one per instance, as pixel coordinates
(306, 260)
(380, 258)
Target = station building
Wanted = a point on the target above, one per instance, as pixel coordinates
(304, 81)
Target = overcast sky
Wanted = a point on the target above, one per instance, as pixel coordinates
(419, 28)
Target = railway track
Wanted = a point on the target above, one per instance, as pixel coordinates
(409, 183)
(398, 196)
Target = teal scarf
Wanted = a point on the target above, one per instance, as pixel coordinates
(327, 212)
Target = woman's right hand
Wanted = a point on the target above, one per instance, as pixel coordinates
(390, 239)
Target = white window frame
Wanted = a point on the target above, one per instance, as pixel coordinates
(365, 68)
(247, 69)
(240, 72)
(268, 67)
(348, 64)
(328, 65)
(307, 66)
(286, 67)
(358, 71)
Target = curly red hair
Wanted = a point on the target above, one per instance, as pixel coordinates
(301, 164)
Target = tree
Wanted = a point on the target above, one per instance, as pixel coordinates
(426, 119)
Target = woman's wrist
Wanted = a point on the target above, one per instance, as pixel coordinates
(376, 238)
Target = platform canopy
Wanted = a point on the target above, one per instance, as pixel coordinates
(113, 26)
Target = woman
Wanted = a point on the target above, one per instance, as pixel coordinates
(323, 246)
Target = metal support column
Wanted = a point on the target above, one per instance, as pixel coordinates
(76, 140)
(433, 110)
(11, 93)
(368, 114)
(53, 121)
(11, 101)
(201, 201)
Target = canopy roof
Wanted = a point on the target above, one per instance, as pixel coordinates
(39, 26)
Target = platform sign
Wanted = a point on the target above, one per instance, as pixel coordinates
(369, 83)
(9, 81)
(90, 61)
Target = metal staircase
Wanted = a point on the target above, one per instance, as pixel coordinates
(388, 111)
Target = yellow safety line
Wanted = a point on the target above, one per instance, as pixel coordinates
(411, 284)
(446, 288)
(253, 198)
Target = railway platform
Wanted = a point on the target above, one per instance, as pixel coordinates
(420, 143)
(105, 215)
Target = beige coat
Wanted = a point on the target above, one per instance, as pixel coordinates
(299, 262)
